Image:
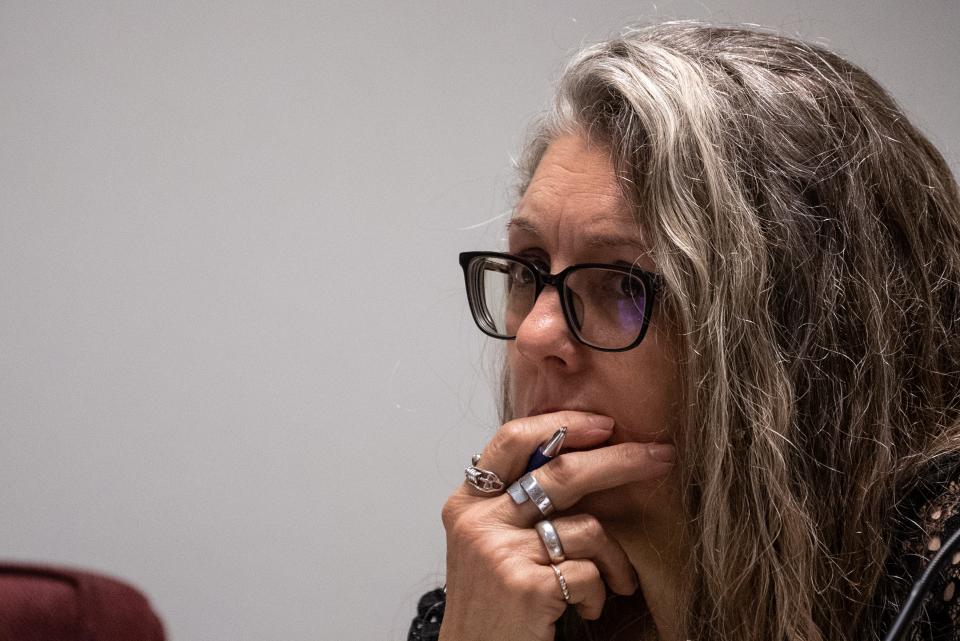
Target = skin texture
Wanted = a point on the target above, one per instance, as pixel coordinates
(615, 485)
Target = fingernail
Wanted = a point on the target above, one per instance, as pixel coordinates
(599, 422)
(663, 452)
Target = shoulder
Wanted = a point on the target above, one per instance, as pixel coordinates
(930, 515)
(426, 625)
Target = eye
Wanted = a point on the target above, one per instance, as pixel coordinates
(631, 287)
(520, 275)
(616, 286)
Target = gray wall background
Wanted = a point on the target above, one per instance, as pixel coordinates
(236, 366)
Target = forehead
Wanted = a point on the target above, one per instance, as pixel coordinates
(574, 194)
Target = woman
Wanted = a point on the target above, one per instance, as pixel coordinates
(750, 337)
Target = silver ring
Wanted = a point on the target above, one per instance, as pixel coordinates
(516, 493)
(536, 494)
(475, 459)
(551, 541)
(483, 480)
(563, 583)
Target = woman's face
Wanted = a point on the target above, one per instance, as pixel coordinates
(573, 212)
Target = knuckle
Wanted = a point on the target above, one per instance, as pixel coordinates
(567, 417)
(589, 527)
(448, 516)
(497, 547)
(624, 453)
(592, 573)
(483, 549)
(512, 434)
(561, 469)
(593, 528)
(517, 581)
(454, 516)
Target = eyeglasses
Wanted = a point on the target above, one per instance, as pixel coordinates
(607, 307)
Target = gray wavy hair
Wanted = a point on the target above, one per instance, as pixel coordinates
(809, 237)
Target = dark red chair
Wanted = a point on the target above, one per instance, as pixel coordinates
(42, 603)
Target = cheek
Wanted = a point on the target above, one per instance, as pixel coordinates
(517, 377)
(651, 407)
(651, 415)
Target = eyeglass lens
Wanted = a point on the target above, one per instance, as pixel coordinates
(606, 306)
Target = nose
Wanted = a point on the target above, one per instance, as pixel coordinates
(544, 336)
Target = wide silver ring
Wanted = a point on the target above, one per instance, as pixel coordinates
(483, 480)
(551, 541)
(536, 494)
(563, 583)
(516, 493)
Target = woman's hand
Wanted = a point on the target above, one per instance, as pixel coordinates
(500, 585)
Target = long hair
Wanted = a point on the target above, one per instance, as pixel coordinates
(809, 237)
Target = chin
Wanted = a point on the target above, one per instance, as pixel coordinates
(617, 504)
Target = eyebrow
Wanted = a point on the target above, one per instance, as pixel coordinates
(522, 224)
(594, 241)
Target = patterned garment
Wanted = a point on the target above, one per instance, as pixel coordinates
(937, 518)
(426, 625)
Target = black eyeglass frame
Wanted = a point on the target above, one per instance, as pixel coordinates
(651, 281)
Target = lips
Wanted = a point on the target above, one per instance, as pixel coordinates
(549, 409)
(537, 411)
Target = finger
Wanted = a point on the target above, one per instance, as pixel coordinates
(584, 586)
(571, 476)
(508, 452)
(583, 537)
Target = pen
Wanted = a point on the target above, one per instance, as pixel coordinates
(547, 450)
(541, 456)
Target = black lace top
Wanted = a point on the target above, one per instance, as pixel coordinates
(938, 519)
(927, 526)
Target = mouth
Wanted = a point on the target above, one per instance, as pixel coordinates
(537, 411)
(550, 409)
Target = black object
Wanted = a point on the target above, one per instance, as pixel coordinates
(475, 263)
(908, 613)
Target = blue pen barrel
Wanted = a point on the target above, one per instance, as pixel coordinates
(546, 450)
(539, 459)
